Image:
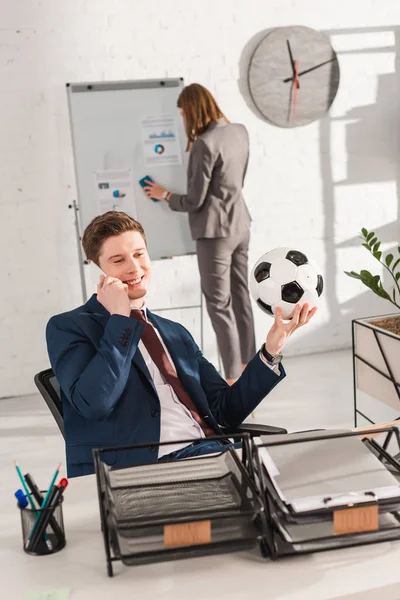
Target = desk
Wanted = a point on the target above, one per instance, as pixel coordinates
(345, 574)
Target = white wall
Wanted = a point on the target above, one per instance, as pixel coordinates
(312, 187)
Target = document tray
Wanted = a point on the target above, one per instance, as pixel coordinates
(346, 517)
(177, 509)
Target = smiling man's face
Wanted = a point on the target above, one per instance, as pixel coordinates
(125, 257)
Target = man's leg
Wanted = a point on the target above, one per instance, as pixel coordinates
(198, 449)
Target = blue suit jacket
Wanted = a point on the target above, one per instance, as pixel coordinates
(109, 398)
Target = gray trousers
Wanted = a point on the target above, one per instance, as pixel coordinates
(224, 281)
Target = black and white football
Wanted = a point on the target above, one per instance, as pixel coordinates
(284, 277)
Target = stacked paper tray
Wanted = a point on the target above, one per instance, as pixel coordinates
(193, 506)
(312, 484)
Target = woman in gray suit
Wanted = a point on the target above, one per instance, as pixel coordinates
(219, 221)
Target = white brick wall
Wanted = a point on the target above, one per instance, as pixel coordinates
(45, 43)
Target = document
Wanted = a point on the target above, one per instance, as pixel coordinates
(325, 473)
(266, 458)
(114, 191)
(160, 138)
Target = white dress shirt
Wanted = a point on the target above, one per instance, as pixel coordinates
(177, 422)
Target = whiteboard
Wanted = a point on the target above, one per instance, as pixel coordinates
(109, 124)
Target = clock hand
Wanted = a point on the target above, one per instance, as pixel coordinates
(295, 88)
(311, 69)
(291, 57)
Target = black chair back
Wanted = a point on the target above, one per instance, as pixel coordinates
(49, 388)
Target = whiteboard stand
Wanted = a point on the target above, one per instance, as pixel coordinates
(114, 126)
(81, 260)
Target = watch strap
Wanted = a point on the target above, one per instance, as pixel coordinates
(273, 360)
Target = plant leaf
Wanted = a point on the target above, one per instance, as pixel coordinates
(373, 241)
(370, 235)
(397, 276)
(376, 247)
(364, 232)
(382, 293)
(378, 255)
(375, 280)
(395, 264)
(388, 259)
(372, 282)
(366, 274)
(353, 274)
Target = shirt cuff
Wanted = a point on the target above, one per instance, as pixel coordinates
(274, 368)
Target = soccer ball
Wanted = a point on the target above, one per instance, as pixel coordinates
(284, 277)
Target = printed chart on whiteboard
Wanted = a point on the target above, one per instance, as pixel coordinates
(114, 191)
(160, 141)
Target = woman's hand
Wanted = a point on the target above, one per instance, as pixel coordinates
(153, 190)
(281, 331)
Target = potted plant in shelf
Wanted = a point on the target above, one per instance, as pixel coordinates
(376, 340)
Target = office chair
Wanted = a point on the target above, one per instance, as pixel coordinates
(49, 388)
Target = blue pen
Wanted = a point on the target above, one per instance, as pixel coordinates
(22, 501)
(28, 495)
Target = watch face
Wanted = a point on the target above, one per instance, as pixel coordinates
(277, 359)
(273, 360)
(293, 76)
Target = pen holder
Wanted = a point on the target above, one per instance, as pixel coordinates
(43, 529)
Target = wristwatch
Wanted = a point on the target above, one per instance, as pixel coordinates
(273, 360)
(165, 195)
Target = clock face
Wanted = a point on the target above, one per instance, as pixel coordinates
(293, 76)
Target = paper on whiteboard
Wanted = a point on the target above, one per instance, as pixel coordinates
(160, 137)
(114, 191)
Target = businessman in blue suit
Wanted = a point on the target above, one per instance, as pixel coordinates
(128, 376)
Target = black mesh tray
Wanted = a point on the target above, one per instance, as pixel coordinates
(303, 539)
(156, 494)
(289, 533)
(139, 503)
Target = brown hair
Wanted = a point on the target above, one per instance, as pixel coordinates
(199, 108)
(105, 226)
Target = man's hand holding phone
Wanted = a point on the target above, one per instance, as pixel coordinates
(112, 294)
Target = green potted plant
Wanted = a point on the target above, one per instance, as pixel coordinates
(376, 340)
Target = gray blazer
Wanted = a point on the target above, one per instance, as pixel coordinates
(217, 168)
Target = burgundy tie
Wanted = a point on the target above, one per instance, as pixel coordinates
(157, 352)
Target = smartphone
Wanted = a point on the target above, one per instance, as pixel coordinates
(93, 273)
(143, 183)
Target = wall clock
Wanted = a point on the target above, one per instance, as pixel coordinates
(293, 76)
